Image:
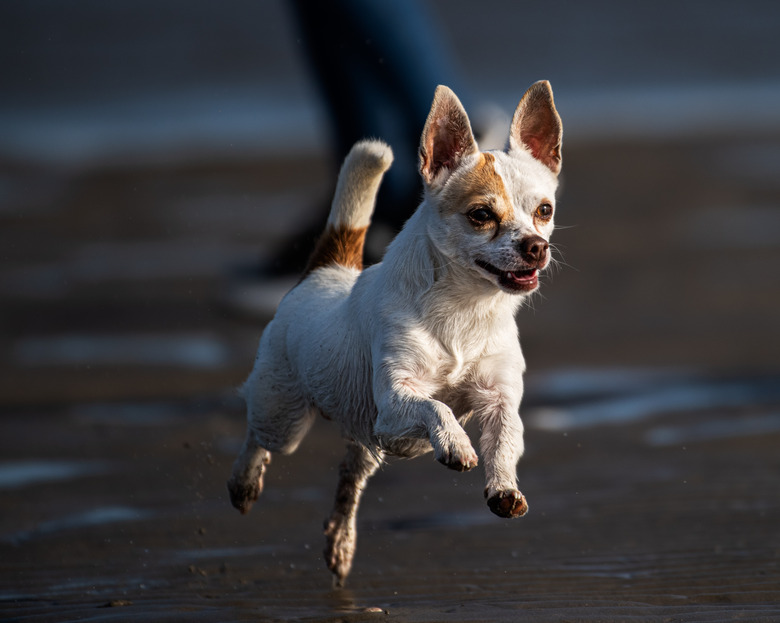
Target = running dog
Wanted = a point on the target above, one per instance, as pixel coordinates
(402, 353)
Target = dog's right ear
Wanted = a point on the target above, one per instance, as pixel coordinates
(536, 126)
(446, 138)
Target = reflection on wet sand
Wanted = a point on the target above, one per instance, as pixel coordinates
(619, 514)
(86, 519)
(654, 398)
(27, 473)
(715, 429)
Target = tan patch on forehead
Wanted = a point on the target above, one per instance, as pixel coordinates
(482, 184)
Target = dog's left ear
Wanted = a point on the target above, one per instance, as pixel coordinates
(537, 127)
(446, 138)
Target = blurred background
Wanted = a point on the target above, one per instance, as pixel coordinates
(149, 148)
(157, 159)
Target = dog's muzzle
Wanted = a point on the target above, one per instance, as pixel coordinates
(534, 250)
(513, 280)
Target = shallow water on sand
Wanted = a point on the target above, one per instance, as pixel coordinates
(668, 515)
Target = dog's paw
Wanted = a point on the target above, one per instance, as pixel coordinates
(243, 495)
(340, 535)
(458, 456)
(509, 503)
(246, 487)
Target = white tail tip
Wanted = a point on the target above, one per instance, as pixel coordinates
(359, 179)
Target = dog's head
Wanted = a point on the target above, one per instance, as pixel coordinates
(493, 211)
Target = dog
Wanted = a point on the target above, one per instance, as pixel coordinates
(402, 353)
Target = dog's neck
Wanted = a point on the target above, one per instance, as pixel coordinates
(442, 290)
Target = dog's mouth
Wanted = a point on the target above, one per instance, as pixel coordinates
(514, 280)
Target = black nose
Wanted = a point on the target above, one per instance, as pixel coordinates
(534, 249)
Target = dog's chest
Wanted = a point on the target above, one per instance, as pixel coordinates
(454, 368)
(453, 361)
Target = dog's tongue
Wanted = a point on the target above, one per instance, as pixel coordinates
(521, 276)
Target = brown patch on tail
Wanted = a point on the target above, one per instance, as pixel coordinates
(338, 245)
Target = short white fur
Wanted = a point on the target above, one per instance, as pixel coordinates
(400, 354)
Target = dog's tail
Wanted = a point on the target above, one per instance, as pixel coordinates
(353, 203)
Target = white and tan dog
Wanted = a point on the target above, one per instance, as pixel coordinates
(402, 353)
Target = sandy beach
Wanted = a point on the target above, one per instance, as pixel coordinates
(652, 406)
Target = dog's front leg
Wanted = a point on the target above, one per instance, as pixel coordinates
(502, 445)
(406, 412)
(341, 527)
(497, 406)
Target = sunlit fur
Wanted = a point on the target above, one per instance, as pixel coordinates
(400, 354)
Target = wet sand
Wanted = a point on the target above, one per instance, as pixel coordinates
(625, 521)
(652, 408)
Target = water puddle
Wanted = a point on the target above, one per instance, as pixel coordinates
(27, 473)
(639, 406)
(602, 398)
(582, 383)
(712, 430)
(86, 519)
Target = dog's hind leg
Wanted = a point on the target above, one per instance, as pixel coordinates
(341, 527)
(246, 483)
(278, 419)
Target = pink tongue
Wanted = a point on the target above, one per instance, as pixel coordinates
(526, 275)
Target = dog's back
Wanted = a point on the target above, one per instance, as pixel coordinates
(293, 376)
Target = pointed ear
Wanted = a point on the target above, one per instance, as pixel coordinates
(446, 138)
(537, 127)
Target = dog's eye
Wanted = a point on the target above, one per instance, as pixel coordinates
(544, 212)
(481, 216)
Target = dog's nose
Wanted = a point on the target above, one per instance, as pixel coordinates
(534, 249)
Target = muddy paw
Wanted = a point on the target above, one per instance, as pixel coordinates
(245, 487)
(509, 504)
(339, 547)
(242, 496)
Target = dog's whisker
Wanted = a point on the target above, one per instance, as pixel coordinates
(560, 260)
